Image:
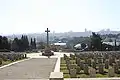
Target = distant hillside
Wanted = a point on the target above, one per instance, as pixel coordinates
(42, 36)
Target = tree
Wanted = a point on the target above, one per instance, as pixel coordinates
(15, 46)
(25, 43)
(1, 42)
(34, 43)
(96, 42)
(31, 44)
(115, 47)
(20, 44)
(5, 43)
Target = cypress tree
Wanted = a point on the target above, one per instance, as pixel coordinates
(27, 42)
(5, 43)
(0, 42)
(34, 43)
(31, 44)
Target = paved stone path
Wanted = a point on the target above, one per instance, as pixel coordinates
(56, 55)
(38, 68)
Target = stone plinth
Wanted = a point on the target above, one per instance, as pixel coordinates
(47, 52)
(56, 76)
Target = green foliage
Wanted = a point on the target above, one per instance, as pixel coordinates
(0, 61)
(96, 42)
(20, 44)
(65, 71)
(100, 75)
(4, 44)
(33, 44)
(66, 75)
(82, 76)
(63, 68)
(77, 40)
(63, 65)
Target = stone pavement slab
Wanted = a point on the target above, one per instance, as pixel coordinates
(56, 55)
(39, 68)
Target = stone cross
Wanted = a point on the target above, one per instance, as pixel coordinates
(47, 37)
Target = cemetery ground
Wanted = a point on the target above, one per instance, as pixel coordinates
(7, 58)
(83, 65)
(91, 65)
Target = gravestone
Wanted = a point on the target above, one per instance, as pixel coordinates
(94, 64)
(81, 64)
(89, 62)
(77, 60)
(101, 68)
(78, 69)
(111, 72)
(86, 60)
(100, 60)
(118, 63)
(95, 60)
(106, 64)
(110, 60)
(115, 66)
(72, 56)
(73, 66)
(92, 72)
(85, 68)
(73, 73)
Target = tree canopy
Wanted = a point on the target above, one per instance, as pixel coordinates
(96, 42)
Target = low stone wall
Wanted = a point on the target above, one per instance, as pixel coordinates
(57, 66)
(56, 75)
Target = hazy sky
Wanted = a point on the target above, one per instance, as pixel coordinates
(26, 16)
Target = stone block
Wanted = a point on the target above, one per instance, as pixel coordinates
(56, 76)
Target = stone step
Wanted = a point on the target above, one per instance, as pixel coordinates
(91, 78)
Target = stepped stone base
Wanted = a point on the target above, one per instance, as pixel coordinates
(56, 76)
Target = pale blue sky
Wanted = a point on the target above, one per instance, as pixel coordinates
(27, 16)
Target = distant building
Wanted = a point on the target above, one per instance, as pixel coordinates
(85, 30)
(59, 45)
(112, 43)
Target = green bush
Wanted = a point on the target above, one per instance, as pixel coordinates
(0, 61)
(4, 58)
